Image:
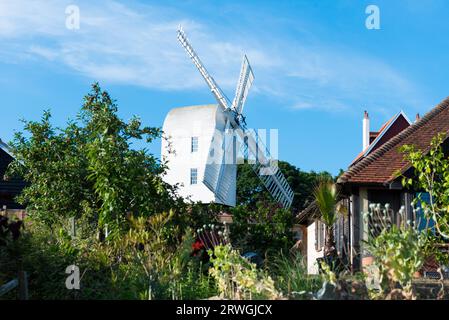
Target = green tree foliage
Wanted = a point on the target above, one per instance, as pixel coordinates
(259, 224)
(250, 189)
(88, 169)
(431, 174)
(268, 227)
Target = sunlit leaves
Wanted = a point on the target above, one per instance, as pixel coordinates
(88, 169)
(431, 174)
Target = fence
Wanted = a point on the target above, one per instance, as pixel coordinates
(21, 283)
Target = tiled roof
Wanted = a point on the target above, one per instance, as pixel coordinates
(381, 165)
(309, 213)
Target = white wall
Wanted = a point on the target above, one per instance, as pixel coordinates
(180, 125)
(312, 254)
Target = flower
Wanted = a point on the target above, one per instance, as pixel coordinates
(197, 245)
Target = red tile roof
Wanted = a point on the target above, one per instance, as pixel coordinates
(381, 165)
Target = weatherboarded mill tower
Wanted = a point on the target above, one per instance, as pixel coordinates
(191, 133)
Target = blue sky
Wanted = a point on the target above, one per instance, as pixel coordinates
(317, 66)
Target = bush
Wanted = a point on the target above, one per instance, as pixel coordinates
(399, 250)
(141, 264)
(268, 228)
(237, 278)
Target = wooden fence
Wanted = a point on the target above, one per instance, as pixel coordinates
(20, 283)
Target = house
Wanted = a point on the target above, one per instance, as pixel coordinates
(373, 177)
(11, 188)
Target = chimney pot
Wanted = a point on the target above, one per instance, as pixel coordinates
(417, 117)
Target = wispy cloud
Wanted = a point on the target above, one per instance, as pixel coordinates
(136, 44)
(338, 79)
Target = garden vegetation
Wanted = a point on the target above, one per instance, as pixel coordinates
(95, 201)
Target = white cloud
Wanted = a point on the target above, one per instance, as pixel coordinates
(137, 45)
(19, 18)
(43, 52)
(325, 80)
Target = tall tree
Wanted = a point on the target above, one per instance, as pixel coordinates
(263, 229)
(251, 190)
(88, 169)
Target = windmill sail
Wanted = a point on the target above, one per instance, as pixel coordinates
(228, 169)
(212, 170)
(220, 171)
(216, 159)
(243, 85)
(217, 92)
(221, 167)
(269, 174)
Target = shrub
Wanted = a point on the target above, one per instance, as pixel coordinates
(265, 229)
(141, 264)
(399, 250)
(237, 278)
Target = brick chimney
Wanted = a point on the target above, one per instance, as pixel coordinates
(365, 130)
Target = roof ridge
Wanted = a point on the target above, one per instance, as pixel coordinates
(364, 162)
(5, 147)
(383, 130)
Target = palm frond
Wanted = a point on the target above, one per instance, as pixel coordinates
(326, 198)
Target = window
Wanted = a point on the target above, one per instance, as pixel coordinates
(194, 144)
(420, 218)
(193, 176)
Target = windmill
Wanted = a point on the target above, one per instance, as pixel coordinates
(220, 176)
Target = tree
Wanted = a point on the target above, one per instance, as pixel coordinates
(431, 174)
(88, 169)
(267, 227)
(250, 190)
(326, 199)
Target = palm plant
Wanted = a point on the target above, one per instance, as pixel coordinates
(326, 199)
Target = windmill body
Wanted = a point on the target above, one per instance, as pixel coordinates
(218, 130)
(187, 158)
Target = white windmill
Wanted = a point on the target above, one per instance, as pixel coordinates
(204, 139)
